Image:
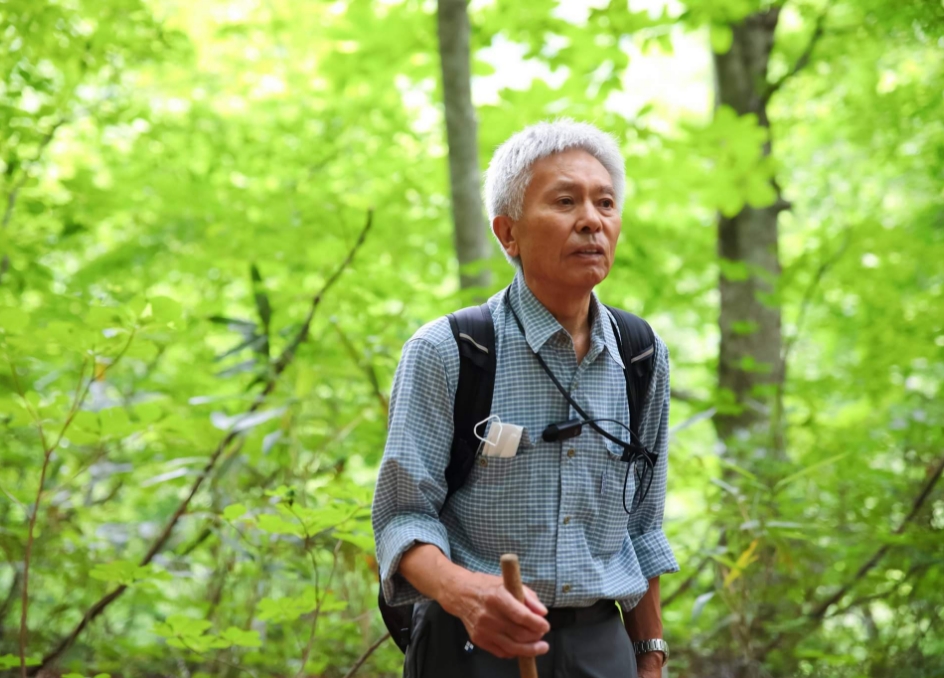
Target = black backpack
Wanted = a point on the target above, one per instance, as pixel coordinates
(475, 336)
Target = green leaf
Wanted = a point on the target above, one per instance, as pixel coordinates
(802, 473)
(234, 511)
(363, 541)
(735, 271)
(242, 638)
(126, 573)
(745, 327)
(162, 310)
(102, 317)
(115, 423)
(700, 603)
(273, 524)
(13, 320)
(747, 557)
(182, 625)
(289, 608)
(721, 37)
(8, 661)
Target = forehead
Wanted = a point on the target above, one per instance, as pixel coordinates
(573, 166)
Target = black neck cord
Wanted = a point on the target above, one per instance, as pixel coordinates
(589, 420)
(630, 455)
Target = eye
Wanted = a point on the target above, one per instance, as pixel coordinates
(608, 203)
(566, 200)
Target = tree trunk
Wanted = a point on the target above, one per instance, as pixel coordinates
(750, 362)
(470, 234)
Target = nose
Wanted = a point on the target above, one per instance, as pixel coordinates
(589, 220)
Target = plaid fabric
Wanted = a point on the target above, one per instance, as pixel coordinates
(559, 506)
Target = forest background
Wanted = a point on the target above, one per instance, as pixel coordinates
(222, 219)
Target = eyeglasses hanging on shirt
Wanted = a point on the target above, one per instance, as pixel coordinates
(634, 453)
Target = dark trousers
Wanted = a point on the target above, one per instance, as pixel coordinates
(589, 643)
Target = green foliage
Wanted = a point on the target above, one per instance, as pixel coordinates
(191, 634)
(178, 182)
(8, 661)
(126, 573)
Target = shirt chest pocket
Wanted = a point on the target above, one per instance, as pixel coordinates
(495, 509)
(491, 470)
(616, 483)
(608, 532)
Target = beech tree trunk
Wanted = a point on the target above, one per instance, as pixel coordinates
(750, 362)
(471, 232)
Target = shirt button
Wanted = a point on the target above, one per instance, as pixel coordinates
(571, 452)
(483, 462)
(565, 588)
(566, 520)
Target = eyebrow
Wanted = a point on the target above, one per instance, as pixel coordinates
(565, 185)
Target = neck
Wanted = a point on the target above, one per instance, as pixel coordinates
(571, 308)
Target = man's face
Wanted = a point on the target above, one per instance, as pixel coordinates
(567, 233)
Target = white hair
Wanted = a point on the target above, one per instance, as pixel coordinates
(509, 172)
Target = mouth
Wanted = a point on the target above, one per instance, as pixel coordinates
(589, 252)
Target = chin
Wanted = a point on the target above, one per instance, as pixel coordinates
(589, 277)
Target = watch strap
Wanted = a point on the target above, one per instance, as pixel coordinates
(654, 645)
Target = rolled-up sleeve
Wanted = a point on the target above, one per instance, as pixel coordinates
(411, 485)
(645, 526)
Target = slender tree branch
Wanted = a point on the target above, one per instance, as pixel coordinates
(819, 612)
(24, 175)
(804, 59)
(685, 585)
(877, 556)
(363, 658)
(367, 368)
(216, 659)
(289, 353)
(161, 540)
(20, 182)
(8, 599)
(810, 292)
(43, 144)
(321, 599)
(47, 453)
(77, 400)
(202, 537)
(790, 342)
(14, 499)
(862, 600)
(216, 597)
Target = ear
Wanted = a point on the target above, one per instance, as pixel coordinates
(503, 228)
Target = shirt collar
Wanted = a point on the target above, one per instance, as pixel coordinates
(540, 325)
(603, 328)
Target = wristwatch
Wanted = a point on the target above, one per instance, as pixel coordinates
(655, 645)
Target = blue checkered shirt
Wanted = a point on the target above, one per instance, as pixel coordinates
(558, 505)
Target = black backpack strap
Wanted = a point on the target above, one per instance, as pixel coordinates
(637, 346)
(475, 336)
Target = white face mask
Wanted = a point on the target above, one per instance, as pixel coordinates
(502, 439)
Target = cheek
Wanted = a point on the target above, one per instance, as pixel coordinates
(614, 235)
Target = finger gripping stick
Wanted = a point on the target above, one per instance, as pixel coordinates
(511, 574)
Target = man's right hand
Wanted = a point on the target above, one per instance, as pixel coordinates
(494, 619)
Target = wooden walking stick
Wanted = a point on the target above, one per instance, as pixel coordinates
(511, 574)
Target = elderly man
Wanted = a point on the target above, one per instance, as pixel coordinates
(554, 194)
